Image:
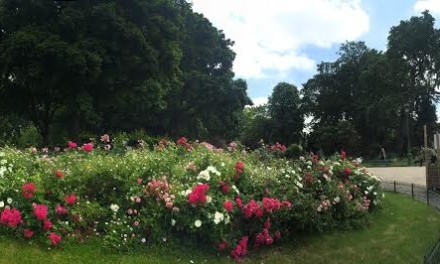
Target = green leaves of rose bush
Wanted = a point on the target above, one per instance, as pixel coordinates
(104, 179)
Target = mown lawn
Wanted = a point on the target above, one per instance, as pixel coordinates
(401, 232)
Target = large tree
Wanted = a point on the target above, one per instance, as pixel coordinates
(284, 107)
(99, 65)
(355, 93)
(210, 103)
(414, 53)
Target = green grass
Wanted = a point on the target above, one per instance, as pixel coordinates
(401, 232)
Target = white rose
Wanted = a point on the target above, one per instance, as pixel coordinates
(204, 175)
(213, 170)
(227, 219)
(198, 223)
(2, 204)
(9, 200)
(218, 217)
(114, 207)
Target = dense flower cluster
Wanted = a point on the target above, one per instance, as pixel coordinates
(233, 200)
(198, 194)
(240, 249)
(160, 190)
(40, 211)
(228, 206)
(28, 190)
(278, 147)
(88, 147)
(54, 239)
(10, 217)
(70, 199)
(252, 208)
(184, 142)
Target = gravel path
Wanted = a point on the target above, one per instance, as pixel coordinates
(410, 175)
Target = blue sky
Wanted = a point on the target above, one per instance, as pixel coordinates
(283, 40)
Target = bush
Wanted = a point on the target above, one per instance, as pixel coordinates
(182, 191)
(293, 151)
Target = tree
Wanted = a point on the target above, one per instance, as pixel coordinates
(414, 52)
(357, 93)
(284, 107)
(100, 65)
(256, 126)
(39, 68)
(210, 103)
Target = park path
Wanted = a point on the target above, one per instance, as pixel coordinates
(414, 175)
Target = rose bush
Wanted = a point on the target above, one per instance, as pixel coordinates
(179, 191)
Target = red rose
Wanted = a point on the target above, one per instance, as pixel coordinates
(47, 225)
(343, 155)
(60, 210)
(88, 147)
(40, 211)
(228, 205)
(10, 217)
(267, 223)
(271, 204)
(28, 233)
(222, 245)
(59, 174)
(28, 190)
(252, 208)
(241, 249)
(238, 202)
(197, 196)
(71, 199)
(224, 187)
(347, 171)
(54, 239)
(71, 145)
(184, 142)
(239, 167)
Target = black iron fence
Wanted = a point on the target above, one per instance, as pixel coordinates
(423, 194)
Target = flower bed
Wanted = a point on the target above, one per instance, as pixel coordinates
(187, 192)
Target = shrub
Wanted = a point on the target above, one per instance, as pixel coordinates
(186, 192)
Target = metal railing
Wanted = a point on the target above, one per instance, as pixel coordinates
(423, 194)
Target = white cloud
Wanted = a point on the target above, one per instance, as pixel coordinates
(432, 5)
(269, 35)
(259, 101)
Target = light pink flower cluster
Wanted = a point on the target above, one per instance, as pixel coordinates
(160, 189)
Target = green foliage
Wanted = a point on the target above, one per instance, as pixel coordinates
(286, 114)
(255, 126)
(70, 67)
(294, 151)
(142, 195)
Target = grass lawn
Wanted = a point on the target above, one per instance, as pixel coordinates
(401, 232)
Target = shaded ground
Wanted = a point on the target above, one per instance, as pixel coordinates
(409, 175)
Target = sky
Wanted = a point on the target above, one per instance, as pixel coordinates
(283, 40)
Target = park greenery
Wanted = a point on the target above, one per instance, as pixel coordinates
(72, 70)
(190, 160)
(189, 193)
(401, 233)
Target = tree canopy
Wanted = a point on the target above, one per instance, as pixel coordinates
(118, 65)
